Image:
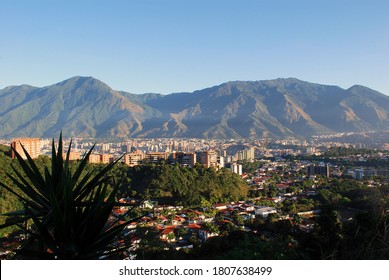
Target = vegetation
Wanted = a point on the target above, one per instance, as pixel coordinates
(69, 209)
(220, 112)
(181, 185)
(353, 222)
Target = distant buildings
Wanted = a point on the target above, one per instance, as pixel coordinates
(101, 158)
(247, 154)
(318, 170)
(94, 158)
(236, 168)
(72, 156)
(31, 145)
(358, 174)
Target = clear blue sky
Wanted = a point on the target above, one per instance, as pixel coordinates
(180, 45)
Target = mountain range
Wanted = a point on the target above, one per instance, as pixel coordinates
(87, 107)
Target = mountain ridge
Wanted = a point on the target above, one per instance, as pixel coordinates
(87, 107)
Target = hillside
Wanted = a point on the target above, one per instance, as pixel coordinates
(86, 107)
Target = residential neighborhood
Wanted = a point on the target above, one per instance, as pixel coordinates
(201, 190)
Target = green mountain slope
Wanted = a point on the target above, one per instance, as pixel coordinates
(86, 107)
(80, 106)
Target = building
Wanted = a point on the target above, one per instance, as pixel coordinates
(107, 158)
(134, 158)
(72, 156)
(31, 145)
(220, 161)
(94, 158)
(246, 154)
(105, 147)
(359, 174)
(209, 158)
(184, 158)
(265, 211)
(156, 157)
(126, 148)
(249, 154)
(318, 170)
(236, 168)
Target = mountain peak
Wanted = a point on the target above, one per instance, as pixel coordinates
(82, 81)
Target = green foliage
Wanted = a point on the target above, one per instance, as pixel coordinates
(240, 245)
(342, 152)
(149, 247)
(250, 167)
(8, 202)
(197, 186)
(70, 210)
(211, 227)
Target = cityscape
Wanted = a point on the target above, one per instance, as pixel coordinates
(284, 185)
(180, 139)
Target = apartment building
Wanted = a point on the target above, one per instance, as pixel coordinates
(184, 158)
(31, 145)
(156, 157)
(209, 158)
(134, 158)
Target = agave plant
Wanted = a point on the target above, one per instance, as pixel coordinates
(70, 210)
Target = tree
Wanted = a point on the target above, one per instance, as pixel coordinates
(329, 231)
(180, 232)
(210, 227)
(238, 219)
(70, 209)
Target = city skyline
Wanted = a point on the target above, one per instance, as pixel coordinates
(174, 46)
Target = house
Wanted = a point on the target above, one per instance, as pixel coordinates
(282, 186)
(164, 207)
(247, 207)
(147, 204)
(265, 211)
(220, 206)
(167, 235)
(205, 234)
(117, 212)
(178, 220)
(275, 199)
(194, 226)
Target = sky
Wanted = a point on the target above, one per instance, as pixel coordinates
(170, 46)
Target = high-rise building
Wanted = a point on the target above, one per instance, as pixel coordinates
(209, 158)
(183, 158)
(126, 148)
(156, 157)
(32, 146)
(359, 174)
(134, 158)
(105, 147)
(94, 158)
(236, 168)
(248, 154)
(220, 161)
(318, 170)
(107, 158)
(72, 156)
